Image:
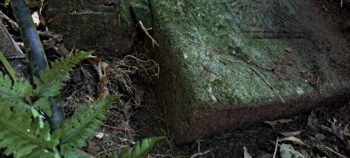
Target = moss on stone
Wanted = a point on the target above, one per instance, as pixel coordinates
(232, 54)
(206, 34)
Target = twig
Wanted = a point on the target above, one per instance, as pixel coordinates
(18, 54)
(276, 147)
(331, 150)
(9, 20)
(154, 42)
(323, 127)
(341, 3)
(118, 128)
(200, 154)
(271, 87)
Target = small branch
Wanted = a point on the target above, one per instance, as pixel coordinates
(200, 154)
(323, 127)
(330, 150)
(118, 128)
(154, 42)
(18, 54)
(276, 147)
(267, 83)
(14, 25)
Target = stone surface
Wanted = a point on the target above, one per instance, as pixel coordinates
(230, 63)
(92, 25)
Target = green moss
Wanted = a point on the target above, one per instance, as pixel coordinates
(206, 34)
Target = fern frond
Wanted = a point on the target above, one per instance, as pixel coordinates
(51, 80)
(22, 133)
(83, 124)
(14, 91)
(140, 149)
(43, 105)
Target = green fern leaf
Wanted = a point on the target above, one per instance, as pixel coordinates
(52, 79)
(43, 105)
(14, 91)
(140, 149)
(83, 124)
(22, 133)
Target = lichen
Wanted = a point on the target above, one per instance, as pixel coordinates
(205, 33)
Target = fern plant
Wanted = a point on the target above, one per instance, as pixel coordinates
(24, 130)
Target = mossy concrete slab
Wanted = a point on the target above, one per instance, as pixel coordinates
(230, 63)
(92, 25)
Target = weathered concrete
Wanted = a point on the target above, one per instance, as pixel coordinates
(229, 63)
(92, 25)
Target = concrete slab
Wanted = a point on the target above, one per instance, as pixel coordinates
(92, 25)
(230, 63)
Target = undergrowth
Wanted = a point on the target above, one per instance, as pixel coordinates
(24, 109)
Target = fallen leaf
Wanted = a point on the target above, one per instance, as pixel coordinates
(281, 121)
(339, 133)
(294, 140)
(246, 153)
(320, 136)
(312, 121)
(288, 134)
(287, 151)
(288, 50)
(305, 153)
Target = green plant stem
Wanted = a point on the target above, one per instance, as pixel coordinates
(8, 67)
(35, 51)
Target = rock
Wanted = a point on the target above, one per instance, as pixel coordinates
(219, 62)
(287, 151)
(92, 25)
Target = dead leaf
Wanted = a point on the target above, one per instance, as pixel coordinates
(288, 50)
(287, 151)
(294, 140)
(312, 121)
(288, 134)
(305, 153)
(246, 153)
(320, 136)
(281, 121)
(339, 133)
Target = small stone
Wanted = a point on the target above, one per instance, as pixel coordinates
(288, 50)
(100, 135)
(320, 136)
